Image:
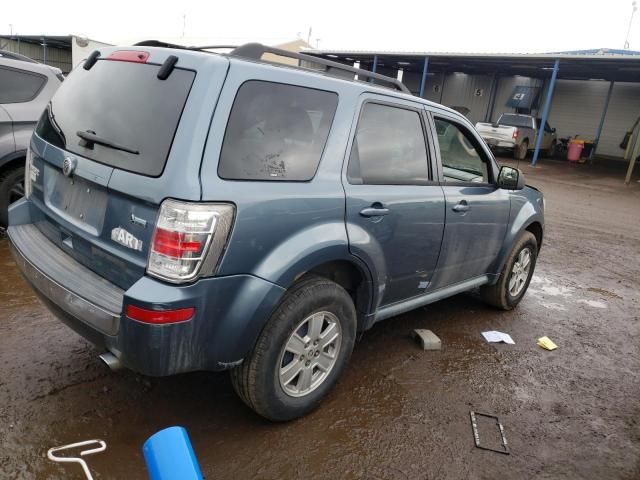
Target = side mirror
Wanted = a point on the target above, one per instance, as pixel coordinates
(510, 178)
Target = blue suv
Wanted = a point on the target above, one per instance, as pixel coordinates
(188, 210)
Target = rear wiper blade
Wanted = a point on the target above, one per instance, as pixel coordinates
(90, 139)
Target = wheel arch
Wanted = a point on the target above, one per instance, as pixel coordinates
(354, 277)
(527, 219)
(535, 227)
(12, 160)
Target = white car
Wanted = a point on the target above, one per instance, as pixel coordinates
(517, 132)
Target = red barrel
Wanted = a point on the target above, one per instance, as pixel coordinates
(574, 151)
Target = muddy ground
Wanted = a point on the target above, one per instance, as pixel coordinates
(399, 412)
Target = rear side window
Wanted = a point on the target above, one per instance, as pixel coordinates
(18, 86)
(121, 102)
(389, 148)
(276, 132)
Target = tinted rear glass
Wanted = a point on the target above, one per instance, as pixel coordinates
(389, 148)
(124, 103)
(17, 86)
(515, 120)
(276, 132)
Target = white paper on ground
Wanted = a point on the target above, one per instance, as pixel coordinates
(495, 336)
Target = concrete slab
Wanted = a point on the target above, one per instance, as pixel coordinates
(427, 339)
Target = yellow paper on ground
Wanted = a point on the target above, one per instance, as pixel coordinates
(546, 343)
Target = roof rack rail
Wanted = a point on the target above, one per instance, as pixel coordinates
(158, 43)
(255, 51)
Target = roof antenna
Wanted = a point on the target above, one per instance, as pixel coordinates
(633, 11)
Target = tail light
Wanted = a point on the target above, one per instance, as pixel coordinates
(189, 239)
(515, 134)
(27, 173)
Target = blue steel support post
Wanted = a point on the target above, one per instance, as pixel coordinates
(423, 81)
(601, 125)
(545, 111)
(374, 67)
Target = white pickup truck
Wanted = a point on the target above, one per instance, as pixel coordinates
(517, 132)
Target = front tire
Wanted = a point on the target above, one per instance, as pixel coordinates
(301, 352)
(515, 276)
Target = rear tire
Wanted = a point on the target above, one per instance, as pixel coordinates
(520, 151)
(267, 380)
(11, 189)
(515, 276)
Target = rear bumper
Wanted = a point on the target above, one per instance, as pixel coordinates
(230, 311)
(496, 143)
(81, 293)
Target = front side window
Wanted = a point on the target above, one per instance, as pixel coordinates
(276, 132)
(389, 148)
(17, 86)
(461, 157)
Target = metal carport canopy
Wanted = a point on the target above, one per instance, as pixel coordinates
(605, 64)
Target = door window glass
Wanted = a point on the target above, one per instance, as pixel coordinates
(388, 148)
(462, 160)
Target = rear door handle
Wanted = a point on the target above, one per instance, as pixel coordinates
(461, 207)
(374, 211)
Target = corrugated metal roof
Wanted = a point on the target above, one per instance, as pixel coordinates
(601, 53)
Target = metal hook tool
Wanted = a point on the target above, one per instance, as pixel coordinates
(101, 448)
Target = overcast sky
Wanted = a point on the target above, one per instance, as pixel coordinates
(449, 25)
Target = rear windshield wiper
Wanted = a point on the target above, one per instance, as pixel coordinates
(90, 139)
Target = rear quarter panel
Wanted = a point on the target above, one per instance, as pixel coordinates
(282, 229)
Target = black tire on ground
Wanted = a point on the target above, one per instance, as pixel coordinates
(11, 189)
(520, 151)
(551, 150)
(257, 381)
(498, 295)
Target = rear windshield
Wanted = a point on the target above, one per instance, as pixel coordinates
(123, 103)
(514, 120)
(276, 132)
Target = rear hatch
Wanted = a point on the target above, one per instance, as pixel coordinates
(99, 158)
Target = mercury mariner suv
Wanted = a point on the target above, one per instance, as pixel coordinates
(188, 210)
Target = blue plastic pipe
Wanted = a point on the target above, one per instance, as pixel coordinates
(545, 111)
(169, 456)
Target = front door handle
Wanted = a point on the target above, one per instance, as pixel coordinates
(461, 207)
(376, 210)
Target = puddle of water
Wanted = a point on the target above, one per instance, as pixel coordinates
(544, 286)
(593, 303)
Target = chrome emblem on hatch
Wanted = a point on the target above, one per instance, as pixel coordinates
(69, 166)
(121, 236)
